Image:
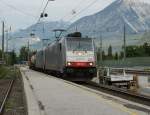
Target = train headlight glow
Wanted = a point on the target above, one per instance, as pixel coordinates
(91, 64)
(69, 64)
(79, 53)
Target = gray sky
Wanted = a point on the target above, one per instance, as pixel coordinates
(22, 13)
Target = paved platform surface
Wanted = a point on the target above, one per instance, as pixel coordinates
(47, 95)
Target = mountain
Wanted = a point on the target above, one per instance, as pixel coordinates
(134, 14)
(42, 30)
(109, 23)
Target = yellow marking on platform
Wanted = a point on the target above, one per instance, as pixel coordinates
(99, 97)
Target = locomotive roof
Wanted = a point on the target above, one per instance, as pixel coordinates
(58, 40)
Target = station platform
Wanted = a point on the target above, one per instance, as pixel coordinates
(47, 95)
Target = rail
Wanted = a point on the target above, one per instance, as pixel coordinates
(127, 70)
(128, 93)
(144, 72)
(6, 97)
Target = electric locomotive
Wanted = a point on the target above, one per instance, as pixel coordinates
(73, 57)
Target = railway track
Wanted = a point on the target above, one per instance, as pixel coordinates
(119, 92)
(142, 72)
(130, 71)
(5, 91)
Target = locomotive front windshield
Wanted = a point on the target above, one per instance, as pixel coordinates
(80, 44)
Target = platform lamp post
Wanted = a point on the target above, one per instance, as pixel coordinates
(3, 37)
(124, 42)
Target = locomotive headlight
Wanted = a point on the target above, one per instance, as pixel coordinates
(69, 64)
(90, 64)
(79, 53)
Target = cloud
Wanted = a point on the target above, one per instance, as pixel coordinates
(22, 13)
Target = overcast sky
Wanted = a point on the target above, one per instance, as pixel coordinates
(23, 13)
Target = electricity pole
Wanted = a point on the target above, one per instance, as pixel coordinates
(6, 46)
(7, 40)
(8, 37)
(124, 43)
(3, 37)
(76, 28)
(101, 45)
(28, 51)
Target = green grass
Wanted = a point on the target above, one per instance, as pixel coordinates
(7, 72)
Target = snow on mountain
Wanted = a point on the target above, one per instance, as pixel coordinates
(108, 23)
(135, 14)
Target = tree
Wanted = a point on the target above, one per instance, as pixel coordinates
(131, 51)
(12, 58)
(135, 51)
(116, 56)
(98, 53)
(146, 47)
(103, 55)
(23, 54)
(110, 52)
(121, 55)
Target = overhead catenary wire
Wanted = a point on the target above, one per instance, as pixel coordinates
(42, 3)
(67, 14)
(76, 13)
(75, 8)
(82, 11)
(44, 9)
(18, 10)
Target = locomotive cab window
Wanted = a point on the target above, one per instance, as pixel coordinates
(79, 44)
